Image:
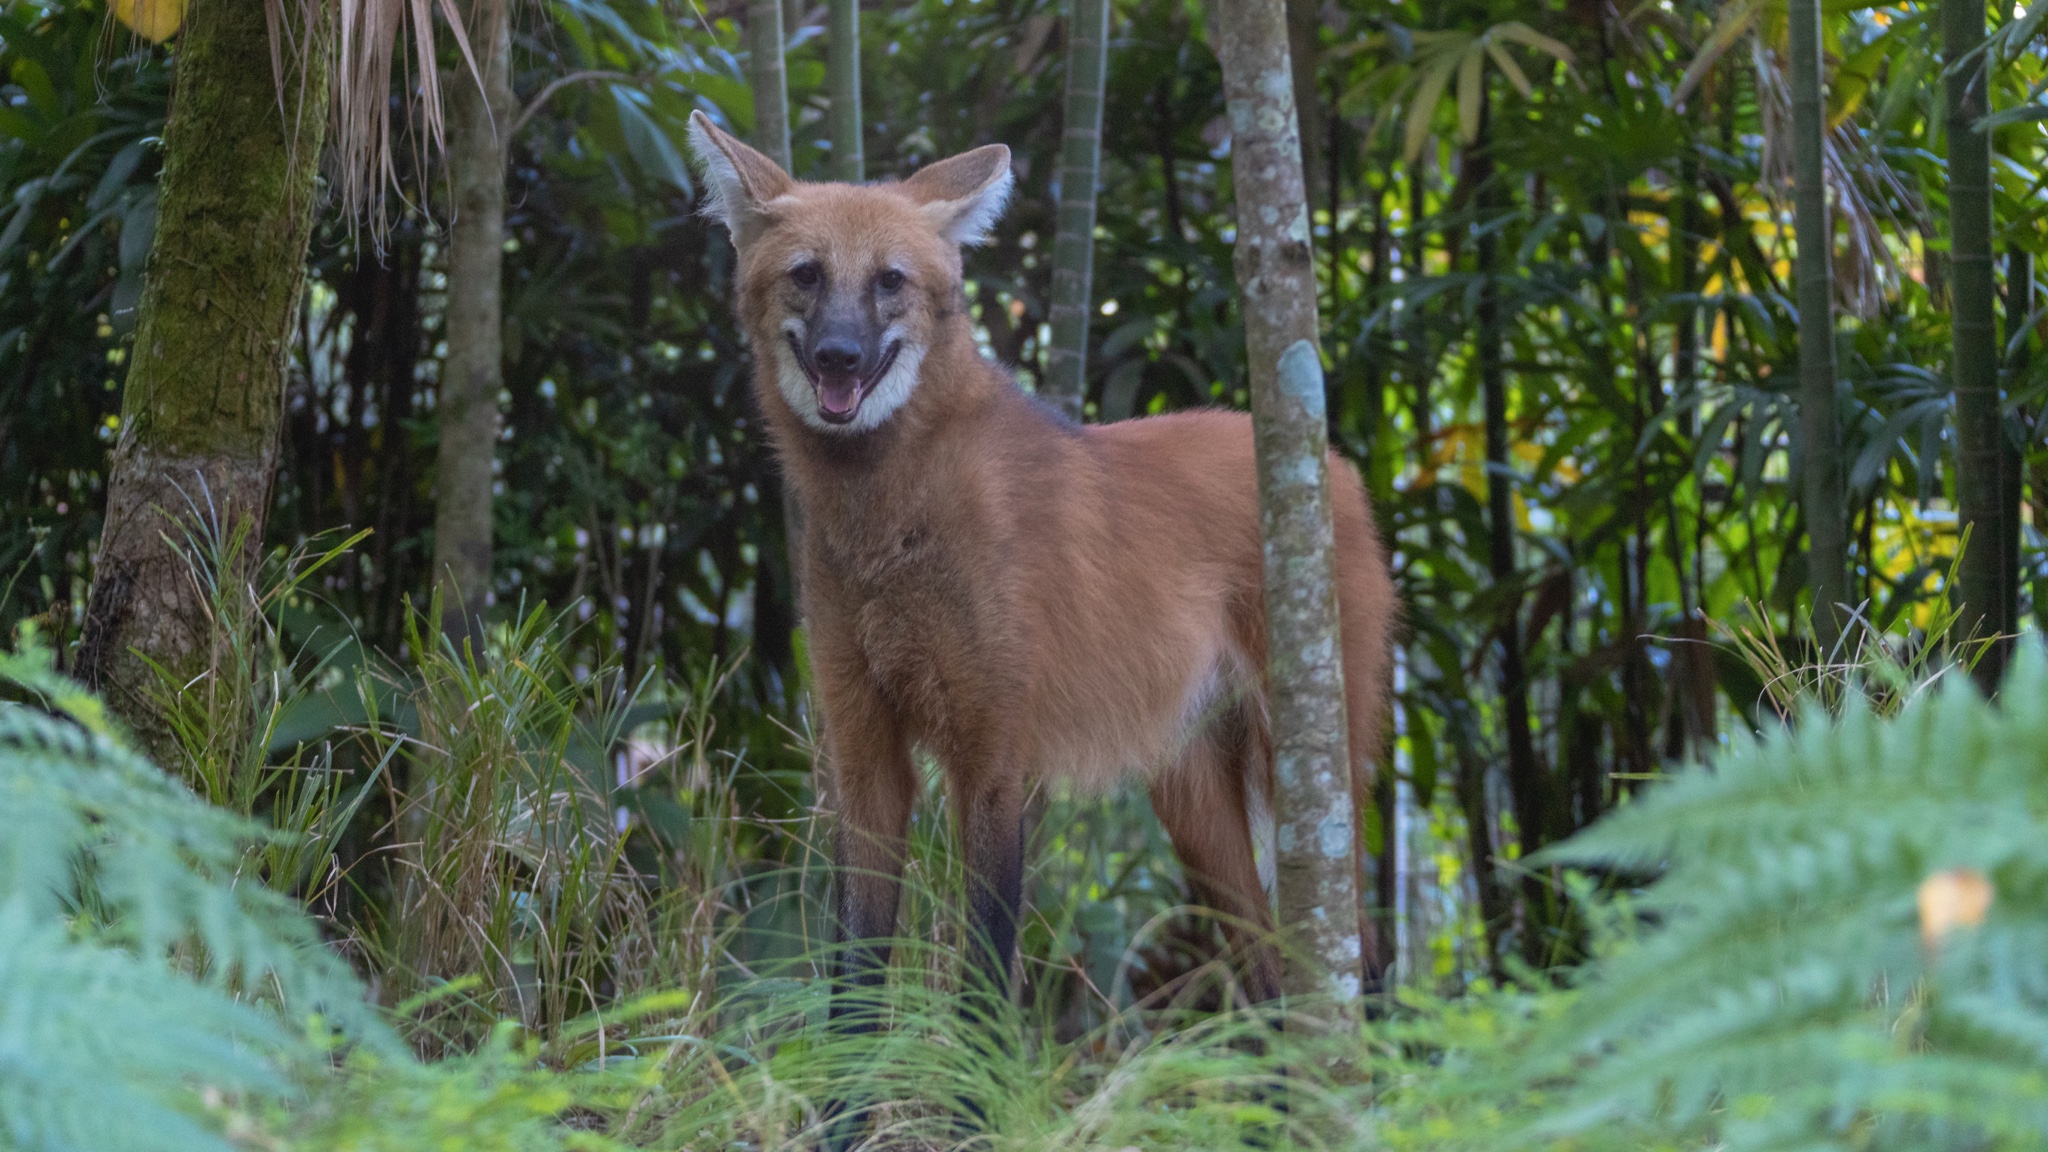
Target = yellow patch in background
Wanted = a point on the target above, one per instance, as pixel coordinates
(1956, 898)
(154, 20)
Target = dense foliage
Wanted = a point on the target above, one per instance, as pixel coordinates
(1595, 196)
(1555, 259)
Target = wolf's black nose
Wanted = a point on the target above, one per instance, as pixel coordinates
(837, 355)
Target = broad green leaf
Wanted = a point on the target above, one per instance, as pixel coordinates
(1523, 34)
(649, 146)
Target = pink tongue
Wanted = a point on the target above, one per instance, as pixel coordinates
(839, 395)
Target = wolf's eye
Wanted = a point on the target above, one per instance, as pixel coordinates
(805, 276)
(890, 280)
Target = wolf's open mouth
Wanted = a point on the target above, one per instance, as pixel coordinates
(839, 394)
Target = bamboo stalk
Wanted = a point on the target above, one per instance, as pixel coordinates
(770, 80)
(843, 74)
(1073, 252)
(1820, 425)
(1989, 589)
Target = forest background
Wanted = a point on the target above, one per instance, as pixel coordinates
(1555, 252)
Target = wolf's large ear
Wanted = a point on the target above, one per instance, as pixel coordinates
(740, 182)
(963, 195)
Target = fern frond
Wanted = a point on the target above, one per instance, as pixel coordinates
(1788, 993)
(138, 970)
(94, 830)
(99, 1045)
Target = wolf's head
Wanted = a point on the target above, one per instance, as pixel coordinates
(844, 286)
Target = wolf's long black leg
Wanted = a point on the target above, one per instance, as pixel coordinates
(877, 786)
(992, 834)
(862, 925)
(992, 839)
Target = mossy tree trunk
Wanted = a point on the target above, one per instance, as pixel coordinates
(843, 67)
(1312, 800)
(1825, 512)
(1990, 589)
(205, 389)
(1073, 252)
(480, 124)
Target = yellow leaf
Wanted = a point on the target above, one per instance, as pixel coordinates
(1428, 91)
(1853, 80)
(1470, 94)
(1956, 898)
(1522, 33)
(154, 20)
(1733, 21)
(1510, 69)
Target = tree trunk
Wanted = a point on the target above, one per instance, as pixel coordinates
(1276, 280)
(1303, 53)
(205, 389)
(1989, 588)
(1416, 335)
(1495, 909)
(466, 409)
(843, 73)
(1693, 670)
(1526, 780)
(1073, 252)
(770, 81)
(1820, 429)
(2019, 308)
(1385, 459)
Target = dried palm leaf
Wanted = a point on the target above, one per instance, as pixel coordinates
(375, 41)
(1862, 188)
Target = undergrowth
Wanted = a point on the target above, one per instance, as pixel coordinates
(494, 900)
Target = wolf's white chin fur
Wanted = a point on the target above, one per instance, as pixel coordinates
(881, 402)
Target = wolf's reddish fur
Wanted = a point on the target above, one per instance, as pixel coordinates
(1022, 597)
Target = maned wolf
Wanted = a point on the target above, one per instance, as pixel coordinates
(1017, 595)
